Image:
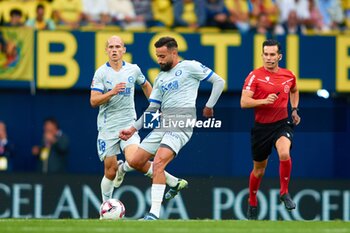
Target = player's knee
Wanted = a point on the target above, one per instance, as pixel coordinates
(135, 163)
(284, 155)
(158, 165)
(258, 173)
(110, 172)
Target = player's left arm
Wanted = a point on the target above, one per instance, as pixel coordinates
(294, 101)
(147, 89)
(217, 88)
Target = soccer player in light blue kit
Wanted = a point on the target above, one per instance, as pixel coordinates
(112, 89)
(175, 92)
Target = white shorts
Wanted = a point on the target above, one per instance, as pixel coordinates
(114, 146)
(174, 139)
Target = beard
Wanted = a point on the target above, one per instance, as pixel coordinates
(166, 67)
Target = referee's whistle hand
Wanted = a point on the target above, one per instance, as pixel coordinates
(271, 98)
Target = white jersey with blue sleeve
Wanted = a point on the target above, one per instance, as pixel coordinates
(119, 112)
(178, 87)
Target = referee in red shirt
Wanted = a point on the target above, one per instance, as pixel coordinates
(267, 90)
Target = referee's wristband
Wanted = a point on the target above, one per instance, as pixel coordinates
(295, 109)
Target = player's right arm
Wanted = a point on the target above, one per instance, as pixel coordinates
(155, 104)
(97, 97)
(125, 134)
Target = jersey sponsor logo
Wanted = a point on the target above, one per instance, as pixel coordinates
(178, 72)
(131, 79)
(109, 82)
(151, 120)
(174, 85)
(126, 92)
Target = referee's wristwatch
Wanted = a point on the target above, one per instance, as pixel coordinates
(294, 109)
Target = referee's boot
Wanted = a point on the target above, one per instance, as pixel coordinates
(119, 177)
(173, 191)
(288, 202)
(252, 212)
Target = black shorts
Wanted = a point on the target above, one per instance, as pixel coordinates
(264, 137)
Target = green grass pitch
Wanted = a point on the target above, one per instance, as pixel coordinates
(169, 226)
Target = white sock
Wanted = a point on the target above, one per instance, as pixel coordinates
(170, 179)
(126, 167)
(106, 188)
(149, 173)
(157, 193)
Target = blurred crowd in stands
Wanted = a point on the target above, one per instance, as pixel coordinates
(277, 17)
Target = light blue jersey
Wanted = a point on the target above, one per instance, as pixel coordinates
(119, 112)
(178, 87)
(176, 92)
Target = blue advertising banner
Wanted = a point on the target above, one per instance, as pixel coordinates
(68, 59)
(78, 196)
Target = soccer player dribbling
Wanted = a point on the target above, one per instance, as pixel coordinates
(268, 90)
(174, 92)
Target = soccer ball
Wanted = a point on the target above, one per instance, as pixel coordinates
(112, 209)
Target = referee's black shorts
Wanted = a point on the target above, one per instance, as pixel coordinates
(264, 137)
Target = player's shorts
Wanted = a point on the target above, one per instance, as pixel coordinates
(173, 139)
(114, 146)
(264, 137)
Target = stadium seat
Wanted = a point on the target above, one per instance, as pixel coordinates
(209, 29)
(158, 29)
(184, 29)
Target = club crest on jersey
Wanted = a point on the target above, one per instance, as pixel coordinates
(178, 72)
(286, 89)
(131, 79)
(267, 78)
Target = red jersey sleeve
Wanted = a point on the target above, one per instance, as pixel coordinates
(249, 83)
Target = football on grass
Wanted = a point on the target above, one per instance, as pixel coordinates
(112, 209)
